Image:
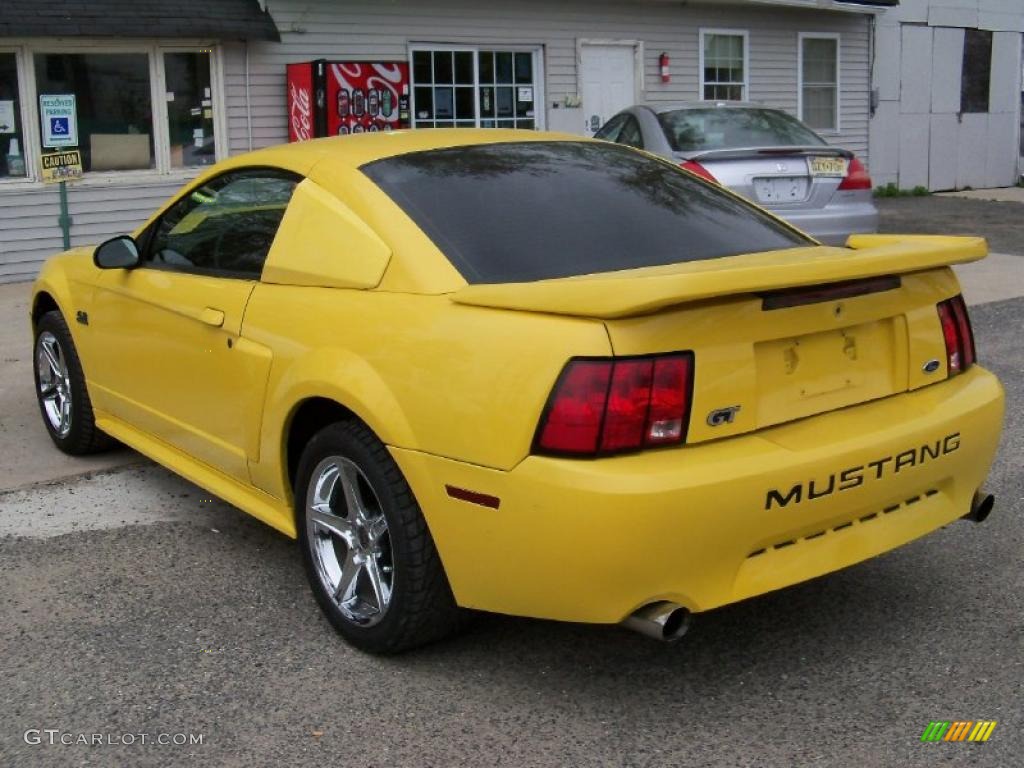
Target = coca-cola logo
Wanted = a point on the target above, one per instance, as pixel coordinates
(301, 113)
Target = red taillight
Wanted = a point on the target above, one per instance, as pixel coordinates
(610, 406)
(573, 423)
(856, 176)
(698, 169)
(957, 333)
(670, 394)
(626, 410)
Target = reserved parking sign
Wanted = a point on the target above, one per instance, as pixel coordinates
(59, 120)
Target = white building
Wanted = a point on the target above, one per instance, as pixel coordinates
(164, 88)
(947, 94)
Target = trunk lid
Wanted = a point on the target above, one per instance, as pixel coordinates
(784, 178)
(776, 336)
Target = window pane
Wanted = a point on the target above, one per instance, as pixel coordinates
(189, 109)
(819, 104)
(486, 65)
(820, 58)
(977, 71)
(487, 103)
(421, 68)
(115, 114)
(464, 103)
(12, 142)
(443, 66)
(227, 226)
(503, 67)
(504, 102)
(524, 68)
(464, 67)
(491, 210)
(424, 103)
(724, 67)
(444, 104)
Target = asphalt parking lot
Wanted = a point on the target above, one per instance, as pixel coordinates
(133, 603)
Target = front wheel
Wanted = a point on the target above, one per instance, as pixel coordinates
(369, 556)
(61, 391)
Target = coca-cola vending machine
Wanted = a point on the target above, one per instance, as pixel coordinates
(329, 98)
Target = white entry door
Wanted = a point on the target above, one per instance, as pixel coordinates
(608, 78)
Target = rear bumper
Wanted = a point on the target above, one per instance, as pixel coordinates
(836, 222)
(592, 541)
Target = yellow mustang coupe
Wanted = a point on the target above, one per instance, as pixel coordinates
(526, 373)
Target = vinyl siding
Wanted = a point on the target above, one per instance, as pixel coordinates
(373, 30)
(29, 231)
(364, 29)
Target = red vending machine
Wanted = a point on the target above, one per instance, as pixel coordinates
(329, 98)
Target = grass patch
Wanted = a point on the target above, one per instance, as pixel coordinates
(891, 190)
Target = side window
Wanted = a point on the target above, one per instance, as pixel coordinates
(610, 130)
(225, 226)
(630, 134)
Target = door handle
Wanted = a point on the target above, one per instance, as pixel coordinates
(211, 316)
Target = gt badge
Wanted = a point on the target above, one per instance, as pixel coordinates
(721, 416)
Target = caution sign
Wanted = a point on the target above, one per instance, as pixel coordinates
(62, 166)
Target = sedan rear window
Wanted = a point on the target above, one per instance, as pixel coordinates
(702, 130)
(519, 212)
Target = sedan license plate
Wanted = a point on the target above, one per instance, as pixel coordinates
(781, 189)
(828, 166)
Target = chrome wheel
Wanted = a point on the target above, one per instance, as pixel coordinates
(349, 541)
(54, 383)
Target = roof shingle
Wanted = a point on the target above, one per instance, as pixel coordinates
(218, 19)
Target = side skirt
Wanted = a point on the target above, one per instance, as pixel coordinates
(260, 505)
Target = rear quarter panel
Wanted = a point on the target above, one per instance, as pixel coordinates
(425, 374)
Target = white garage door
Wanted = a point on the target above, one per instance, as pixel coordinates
(942, 146)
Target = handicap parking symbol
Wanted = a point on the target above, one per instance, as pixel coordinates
(60, 126)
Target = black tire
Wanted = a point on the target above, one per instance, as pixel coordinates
(422, 608)
(81, 437)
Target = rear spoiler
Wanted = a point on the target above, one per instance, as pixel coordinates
(736, 153)
(642, 291)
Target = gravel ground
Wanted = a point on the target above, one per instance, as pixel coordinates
(1002, 223)
(204, 624)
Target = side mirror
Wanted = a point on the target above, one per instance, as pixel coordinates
(117, 253)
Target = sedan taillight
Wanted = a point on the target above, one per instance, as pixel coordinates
(857, 176)
(600, 407)
(699, 170)
(957, 333)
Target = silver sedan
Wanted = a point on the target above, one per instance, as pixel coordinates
(763, 154)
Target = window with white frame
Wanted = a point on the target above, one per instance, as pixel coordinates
(148, 108)
(473, 86)
(818, 72)
(12, 139)
(723, 65)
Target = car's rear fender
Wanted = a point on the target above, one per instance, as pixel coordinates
(335, 375)
(424, 373)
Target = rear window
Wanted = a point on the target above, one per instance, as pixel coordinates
(528, 211)
(701, 130)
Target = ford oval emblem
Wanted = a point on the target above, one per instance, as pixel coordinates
(931, 366)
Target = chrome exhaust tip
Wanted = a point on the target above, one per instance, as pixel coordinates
(663, 621)
(981, 507)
